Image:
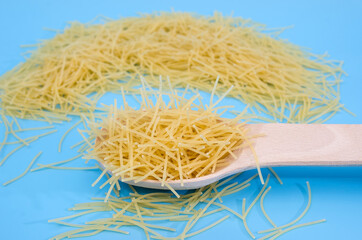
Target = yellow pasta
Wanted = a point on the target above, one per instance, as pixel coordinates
(141, 209)
(25, 172)
(272, 75)
(298, 218)
(175, 140)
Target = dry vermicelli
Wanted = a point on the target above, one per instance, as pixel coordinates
(271, 75)
(175, 140)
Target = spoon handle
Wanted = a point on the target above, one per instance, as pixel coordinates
(287, 145)
(308, 144)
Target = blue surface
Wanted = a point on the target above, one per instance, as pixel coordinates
(333, 26)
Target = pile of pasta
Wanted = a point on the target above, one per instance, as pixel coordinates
(68, 73)
(172, 138)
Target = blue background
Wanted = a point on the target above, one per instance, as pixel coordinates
(333, 26)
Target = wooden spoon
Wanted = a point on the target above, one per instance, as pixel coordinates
(286, 145)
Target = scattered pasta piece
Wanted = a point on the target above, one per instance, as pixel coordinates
(25, 172)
